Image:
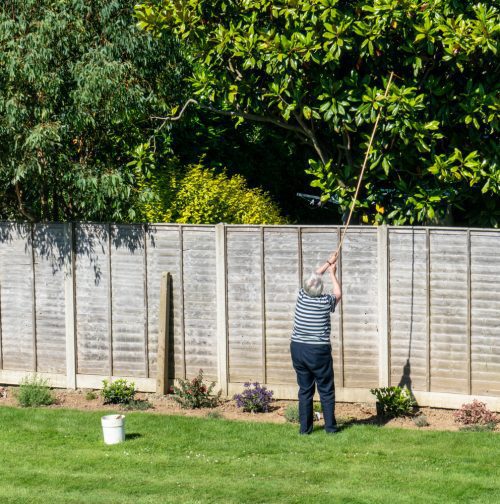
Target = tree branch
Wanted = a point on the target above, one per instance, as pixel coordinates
(234, 71)
(347, 146)
(317, 147)
(302, 130)
(231, 113)
(309, 133)
(21, 207)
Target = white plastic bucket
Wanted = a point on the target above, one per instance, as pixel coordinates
(113, 428)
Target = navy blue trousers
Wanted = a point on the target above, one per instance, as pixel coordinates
(314, 366)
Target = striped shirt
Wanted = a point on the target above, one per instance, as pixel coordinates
(312, 318)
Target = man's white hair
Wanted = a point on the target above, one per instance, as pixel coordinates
(313, 286)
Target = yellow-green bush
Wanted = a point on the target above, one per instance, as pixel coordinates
(202, 196)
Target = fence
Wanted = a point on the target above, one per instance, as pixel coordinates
(421, 306)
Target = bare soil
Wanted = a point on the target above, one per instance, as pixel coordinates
(347, 413)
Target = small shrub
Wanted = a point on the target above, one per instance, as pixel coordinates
(421, 421)
(195, 394)
(90, 395)
(138, 404)
(34, 391)
(475, 413)
(215, 415)
(118, 392)
(254, 398)
(394, 401)
(292, 413)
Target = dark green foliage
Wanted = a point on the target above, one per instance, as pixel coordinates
(34, 391)
(118, 392)
(195, 393)
(78, 84)
(394, 401)
(318, 70)
(266, 157)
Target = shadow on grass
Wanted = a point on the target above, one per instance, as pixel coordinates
(378, 420)
(132, 435)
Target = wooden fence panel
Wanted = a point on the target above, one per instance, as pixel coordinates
(129, 320)
(16, 294)
(408, 307)
(281, 250)
(244, 305)
(164, 246)
(485, 312)
(200, 308)
(93, 302)
(360, 308)
(442, 319)
(448, 311)
(51, 247)
(317, 245)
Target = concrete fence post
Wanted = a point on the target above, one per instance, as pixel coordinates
(383, 306)
(221, 289)
(70, 308)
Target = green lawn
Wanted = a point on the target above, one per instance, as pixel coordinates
(57, 456)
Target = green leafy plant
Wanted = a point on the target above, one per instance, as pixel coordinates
(90, 395)
(118, 392)
(34, 391)
(200, 195)
(475, 413)
(76, 97)
(319, 69)
(195, 393)
(421, 421)
(394, 401)
(138, 404)
(292, 413)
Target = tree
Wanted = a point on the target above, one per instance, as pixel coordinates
(318, 69)
(199, 195)
(78, 84)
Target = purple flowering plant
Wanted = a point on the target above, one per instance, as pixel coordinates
(254, 398)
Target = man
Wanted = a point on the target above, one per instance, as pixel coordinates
(311, 348)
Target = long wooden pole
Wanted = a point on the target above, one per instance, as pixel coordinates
(354, 199)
